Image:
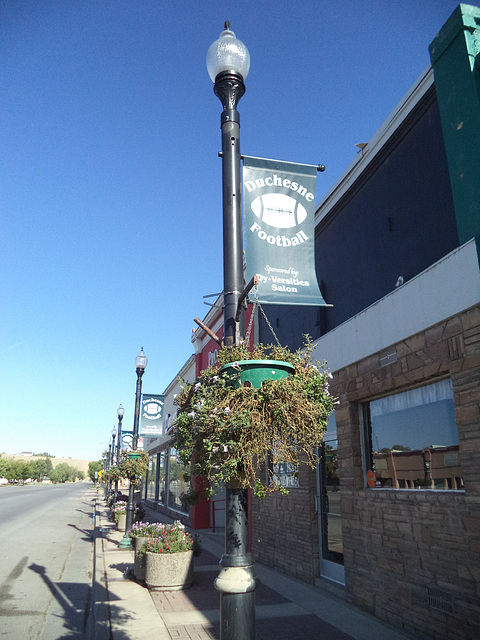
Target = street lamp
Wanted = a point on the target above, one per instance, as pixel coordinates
(114, 435)
(140, 365)
(120, 412)
(108, 463)
(228, 63)
(112, 458)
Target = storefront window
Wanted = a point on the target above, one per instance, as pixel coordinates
(412, 440)
(161, 478)
(152, 475)
(176, 482)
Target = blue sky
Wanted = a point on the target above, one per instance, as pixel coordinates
(110, 183)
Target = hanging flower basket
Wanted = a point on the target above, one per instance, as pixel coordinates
(269, 402)
(133, 464)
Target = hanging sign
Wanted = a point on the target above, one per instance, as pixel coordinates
(151, 415)
(279, 212)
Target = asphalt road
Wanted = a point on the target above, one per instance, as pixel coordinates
(46, 561)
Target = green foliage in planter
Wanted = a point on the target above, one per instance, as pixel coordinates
(171, 538)
(132, 468)
(146, 530)
(118, 509)
(226, 430)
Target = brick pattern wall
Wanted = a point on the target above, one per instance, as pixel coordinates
(285, 529)
(413, 557)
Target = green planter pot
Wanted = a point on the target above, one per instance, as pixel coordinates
(169, 571)
(133, 455)
(252, 373)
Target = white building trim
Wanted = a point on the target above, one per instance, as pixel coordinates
(445, 289)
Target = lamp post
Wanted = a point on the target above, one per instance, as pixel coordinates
(140, 364)
(112, 457)
(107, 467)
(228, 63)
(120, 412)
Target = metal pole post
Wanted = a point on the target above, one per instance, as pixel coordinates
(119, 440)
(236, 581)
(113, 462)
(107, 467)
(125, 543)
(230, 88)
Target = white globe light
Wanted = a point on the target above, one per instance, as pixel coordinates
(228, 54)
(120, 411)
(141, 360)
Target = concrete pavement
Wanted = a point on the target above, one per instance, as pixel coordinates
(286, 609)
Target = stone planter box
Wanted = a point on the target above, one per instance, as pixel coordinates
(139, 560)
(122, 522)
(169, 572)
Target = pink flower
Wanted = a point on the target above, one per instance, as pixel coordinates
(227, 410)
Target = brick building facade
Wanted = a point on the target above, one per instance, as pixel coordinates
(397, 250)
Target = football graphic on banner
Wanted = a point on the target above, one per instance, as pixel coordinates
(279, 210)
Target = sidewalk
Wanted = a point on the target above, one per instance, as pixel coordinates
(286, 609)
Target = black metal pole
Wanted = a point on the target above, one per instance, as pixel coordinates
(229, 88)
(112, 464)
(131, 489)
(236, 580)
(107, 467)
(119, 443)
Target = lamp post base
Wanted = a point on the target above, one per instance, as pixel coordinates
(236, 581)
(125, 542)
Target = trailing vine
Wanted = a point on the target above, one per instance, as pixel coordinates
(226, 430)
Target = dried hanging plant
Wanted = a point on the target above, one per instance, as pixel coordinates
(226, 430)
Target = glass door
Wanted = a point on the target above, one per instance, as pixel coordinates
(328, 508)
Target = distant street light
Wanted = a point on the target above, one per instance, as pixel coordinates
(120, 412)
(114, 435)
(140, 365)
(112, 457)
(106, 468)
(228, 63)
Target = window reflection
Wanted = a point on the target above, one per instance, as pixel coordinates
(413, 440)
(161, 478)
(152, 476)
(176, 481)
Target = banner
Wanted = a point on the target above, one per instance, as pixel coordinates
(279, 213)
(151, 415)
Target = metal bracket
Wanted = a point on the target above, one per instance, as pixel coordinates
(208, 331)
(253, 283)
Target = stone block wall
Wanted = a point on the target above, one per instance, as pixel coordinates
(285, 529)
(412, 557)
